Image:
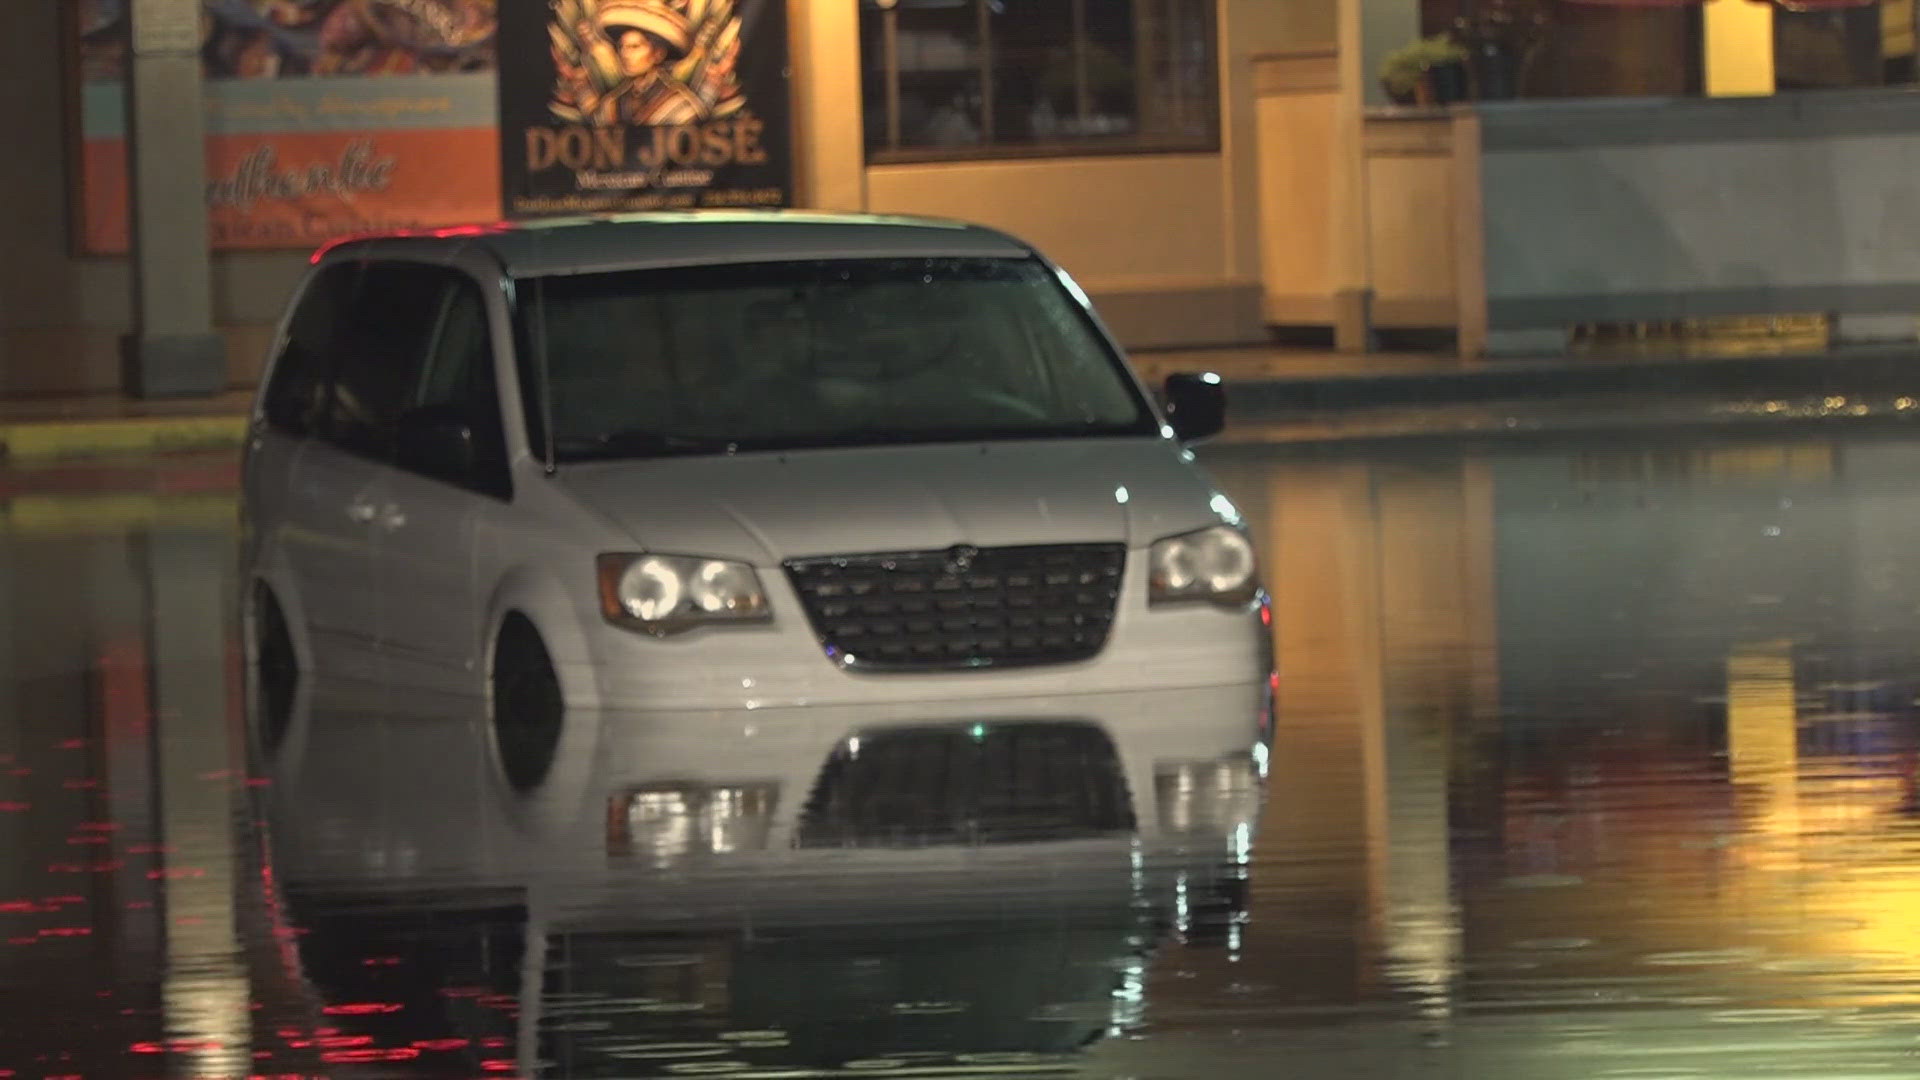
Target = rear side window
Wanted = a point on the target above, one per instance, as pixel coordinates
(296, 396)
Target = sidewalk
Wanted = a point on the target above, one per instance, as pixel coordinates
(1283, 394)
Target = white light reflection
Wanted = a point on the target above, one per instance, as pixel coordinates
(1225, 508)
(1182, 913)
(1121, 495)
(853, 747)
(1130, 999)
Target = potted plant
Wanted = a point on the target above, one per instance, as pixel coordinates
(1431, 71)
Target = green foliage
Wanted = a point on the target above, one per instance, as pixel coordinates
(1403, 67)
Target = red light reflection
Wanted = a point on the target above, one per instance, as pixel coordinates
(436, 1045)
(358, 1057)
(15, 807)
(363, 1008)
(181, 872)
(401, 234)
(106, 867)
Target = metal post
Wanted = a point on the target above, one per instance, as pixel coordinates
(890, 20)
(173, 349)
(1082, 93)
(986, 72)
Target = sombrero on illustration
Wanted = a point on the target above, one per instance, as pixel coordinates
(650, 17)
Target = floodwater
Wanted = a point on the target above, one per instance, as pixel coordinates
(1592, 758)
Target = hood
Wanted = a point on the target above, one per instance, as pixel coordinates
(765, 508)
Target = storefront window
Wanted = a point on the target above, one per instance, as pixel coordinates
(1014, 78)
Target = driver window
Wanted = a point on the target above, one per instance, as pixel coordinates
(459, 381)
(379, 350)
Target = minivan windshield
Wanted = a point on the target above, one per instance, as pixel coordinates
(697, 360)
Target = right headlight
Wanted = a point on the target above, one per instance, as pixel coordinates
(665, 594)
(1215, 564)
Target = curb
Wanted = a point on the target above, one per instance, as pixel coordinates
(30, 441)
(95, 515)
(1491, 382)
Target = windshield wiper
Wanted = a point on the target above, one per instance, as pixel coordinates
(638, 442)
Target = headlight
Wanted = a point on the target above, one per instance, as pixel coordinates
(664, 594)
(1215, 564)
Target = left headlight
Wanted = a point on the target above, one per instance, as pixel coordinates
(665, 594)
(1215, 564)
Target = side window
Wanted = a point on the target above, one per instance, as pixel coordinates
(298, 390)
(379, 352)
(458, 383)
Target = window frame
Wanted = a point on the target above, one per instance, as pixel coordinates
(493, 478)
(328, 431)
(492, 475)
(892, 153)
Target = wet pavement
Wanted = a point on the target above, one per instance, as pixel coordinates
(1591, 759)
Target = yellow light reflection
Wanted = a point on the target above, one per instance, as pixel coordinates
(1763, 747)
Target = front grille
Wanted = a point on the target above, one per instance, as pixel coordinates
(970, 784)
(994, 607)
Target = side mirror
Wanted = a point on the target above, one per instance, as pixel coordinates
(436, 442)
(1196, 406)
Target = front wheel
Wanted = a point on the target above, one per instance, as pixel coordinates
(528, 708)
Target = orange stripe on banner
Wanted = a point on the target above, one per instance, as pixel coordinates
(300, 190)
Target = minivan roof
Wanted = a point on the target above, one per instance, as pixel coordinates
(690, 238)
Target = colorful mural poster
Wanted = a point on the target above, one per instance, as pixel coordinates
(324, 118)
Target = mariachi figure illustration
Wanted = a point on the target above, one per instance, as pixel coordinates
(645, 63)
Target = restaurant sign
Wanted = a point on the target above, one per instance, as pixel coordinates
(617, 105)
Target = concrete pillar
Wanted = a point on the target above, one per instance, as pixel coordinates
(828, 109)
(173, 350)
(1352, 276)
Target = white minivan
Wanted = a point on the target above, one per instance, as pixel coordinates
(730, 462)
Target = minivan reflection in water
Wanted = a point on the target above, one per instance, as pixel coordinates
(723, 462)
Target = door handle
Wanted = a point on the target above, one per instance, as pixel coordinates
(361, 513)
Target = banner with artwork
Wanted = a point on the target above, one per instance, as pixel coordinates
(324, 118)
(610, 105)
